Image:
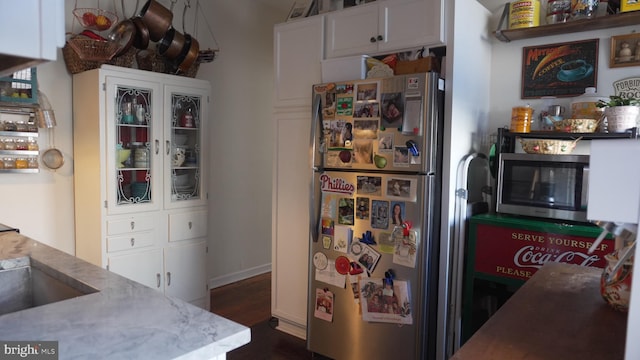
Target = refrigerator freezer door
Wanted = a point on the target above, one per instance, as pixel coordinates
(390, 124)
(354, 209)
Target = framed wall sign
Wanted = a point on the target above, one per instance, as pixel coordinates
(625, 50)
(561, 70)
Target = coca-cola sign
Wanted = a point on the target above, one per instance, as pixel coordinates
(519, 253)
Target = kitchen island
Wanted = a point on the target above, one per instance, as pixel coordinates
(121, 320)
(557, 314)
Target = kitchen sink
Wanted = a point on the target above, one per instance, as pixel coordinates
(26, 283)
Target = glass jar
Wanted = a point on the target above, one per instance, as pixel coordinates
(32, 144)
(1, 163)
(558, 11)
(32, 162)
(21, 126)
(10, 126)
(583, 9)
(32, 127)
(9, 163)
(9, 144)
(140, 155)
(21, 144)
(21, 163)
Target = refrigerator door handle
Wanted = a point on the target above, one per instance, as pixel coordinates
(314, 215)
(317, 160)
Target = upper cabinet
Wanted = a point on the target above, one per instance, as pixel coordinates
(384, 26)
(298, 50)
(33, 31)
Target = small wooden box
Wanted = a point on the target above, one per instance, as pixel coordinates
(629, 5)
(425, 64)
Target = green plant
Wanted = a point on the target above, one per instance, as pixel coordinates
(618, 101)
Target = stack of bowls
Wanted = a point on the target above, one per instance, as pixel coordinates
(140, 190)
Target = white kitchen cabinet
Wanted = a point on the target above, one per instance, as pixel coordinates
(290, 230)
(33, 30)
(384, 26)
(298, 50)
(139, 177)
(177, 271)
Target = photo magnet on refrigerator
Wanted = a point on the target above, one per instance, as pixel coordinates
(324, 305)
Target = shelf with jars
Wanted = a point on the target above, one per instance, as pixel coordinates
(19, 148)
(504, 34)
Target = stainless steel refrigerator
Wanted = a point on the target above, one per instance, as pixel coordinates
(376, 150)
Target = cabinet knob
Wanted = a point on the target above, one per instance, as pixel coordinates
(190, 225)
(167, 146)
(157, 146)
(133, 225)
(133, 241)
(373, 39)
(158, 279)
(168, 278)
(380, 38)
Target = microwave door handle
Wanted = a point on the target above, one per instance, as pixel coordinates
(534, 182)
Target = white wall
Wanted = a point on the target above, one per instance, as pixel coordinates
(467, 100)
(41, 205)
(241, 136)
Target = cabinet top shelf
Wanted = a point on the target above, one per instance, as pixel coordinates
(604, 22)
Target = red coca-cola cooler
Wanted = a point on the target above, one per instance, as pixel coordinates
(504, 251)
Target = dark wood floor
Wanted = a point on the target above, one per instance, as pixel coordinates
(248, 302)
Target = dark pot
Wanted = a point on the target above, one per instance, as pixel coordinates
(189, 53)
(157, 18)
(141, 40)
(172, 44)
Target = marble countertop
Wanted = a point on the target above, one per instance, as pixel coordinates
(123, 320)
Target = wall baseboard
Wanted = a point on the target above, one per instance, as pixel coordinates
(237, 276)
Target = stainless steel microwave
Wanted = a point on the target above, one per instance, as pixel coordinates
(546, 186)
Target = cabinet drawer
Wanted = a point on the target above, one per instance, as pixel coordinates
(133, 223)
(187, 225)
(131, 241)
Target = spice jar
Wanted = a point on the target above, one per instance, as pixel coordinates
(9, 163)
(21, 163)
(9, 126)
(521, 118)
(21, 126)
(9, 144)
(32, 162)
(21, 144)
(32, 144)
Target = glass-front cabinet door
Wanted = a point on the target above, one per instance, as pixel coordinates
(188, 109)
(135, 124)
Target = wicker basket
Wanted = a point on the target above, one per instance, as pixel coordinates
(90, 49)
(576, 125)
(155, 62)
(77, 65)
(548, 146)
